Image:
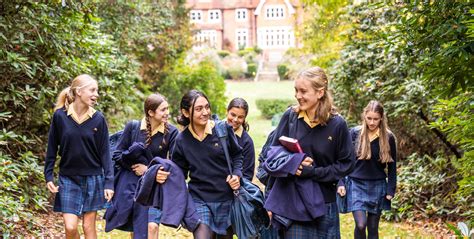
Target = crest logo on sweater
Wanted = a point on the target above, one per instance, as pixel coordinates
(330, 138)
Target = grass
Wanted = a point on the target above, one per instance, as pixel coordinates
(259, 129)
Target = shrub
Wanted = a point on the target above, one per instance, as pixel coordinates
(270, 107)
(236, 72)
(282, 71)
(251, 70)
(223, 54)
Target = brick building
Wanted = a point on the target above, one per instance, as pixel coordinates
(237, 24)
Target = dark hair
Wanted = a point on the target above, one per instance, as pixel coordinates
(152, 102)
(187, 103)
(241, 104)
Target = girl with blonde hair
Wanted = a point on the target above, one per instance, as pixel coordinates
(80, 136)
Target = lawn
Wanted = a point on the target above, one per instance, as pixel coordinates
(259, 128)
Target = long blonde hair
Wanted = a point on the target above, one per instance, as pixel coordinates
(68, 95)
(325, 106)
(363, 142)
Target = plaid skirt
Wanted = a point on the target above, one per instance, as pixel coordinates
(80, 194)
(215, 214)
(367, 195)
(154, 215)
(326, 226)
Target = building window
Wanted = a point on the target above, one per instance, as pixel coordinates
(205, 38)
(242, 36)
(195, 16)
(275, 12)
(275, 37)
(214, 15)
(241, 14)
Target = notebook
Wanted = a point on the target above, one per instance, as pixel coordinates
(290, 144)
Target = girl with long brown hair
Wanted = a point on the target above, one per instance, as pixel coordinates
(368, 192)
(141, 141)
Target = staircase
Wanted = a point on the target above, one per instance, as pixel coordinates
(267, 71)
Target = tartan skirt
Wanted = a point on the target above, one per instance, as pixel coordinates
(80, 194)
(367, 195)
(215, 214)
(326, 226)
(154, 215)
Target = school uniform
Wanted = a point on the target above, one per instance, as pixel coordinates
(248, 152)
(124, 213)
(203, 160)
(331, 149)
(367, 186)
(85, 168)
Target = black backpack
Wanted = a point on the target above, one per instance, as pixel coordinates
(116, 137)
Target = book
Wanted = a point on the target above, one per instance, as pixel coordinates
(290, 144)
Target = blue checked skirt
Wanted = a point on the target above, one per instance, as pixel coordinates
(326, 226)
(154, 215)
(80, 194)
(367, 195)
(215, 214)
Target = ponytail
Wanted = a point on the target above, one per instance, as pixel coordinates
(65, 98)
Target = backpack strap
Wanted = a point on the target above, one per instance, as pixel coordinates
(221, 129)
(135, 130)
(292, 124)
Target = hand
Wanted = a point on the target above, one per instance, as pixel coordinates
(270, 214)
(108, 194)
(139, 169)
(341, 190)
(389, 197)
(161, 175)
(233, 181)
(307, 162)
(52, 188)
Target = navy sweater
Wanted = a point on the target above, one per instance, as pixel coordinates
(373, 169)
(329, 146)
(159, 147)
(206, 164)
(248, 152)
(84, 148)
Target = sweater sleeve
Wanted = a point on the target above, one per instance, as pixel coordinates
(172, 138)
(344, 160)
(235, 152)
(52, 150)
(248, 152)
(179, 159)
(104, 149)
(392, 167)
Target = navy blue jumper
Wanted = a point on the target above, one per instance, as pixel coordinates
(205, 164)
(328, 145)
(83, 148)
(248, 152)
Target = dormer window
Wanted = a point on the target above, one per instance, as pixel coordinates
(275, 12)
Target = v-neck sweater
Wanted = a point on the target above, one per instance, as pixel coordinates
(83, 148)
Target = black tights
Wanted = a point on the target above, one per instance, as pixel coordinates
(365, 220)
(204, 232)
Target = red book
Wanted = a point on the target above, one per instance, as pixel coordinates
(290, 144)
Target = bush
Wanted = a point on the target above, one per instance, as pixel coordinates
(282, 71)
(223, 54)
(270, 107)
(251, 70)
(202, 76)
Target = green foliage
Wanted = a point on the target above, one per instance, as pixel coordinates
(251, 70)
(204, 77)
(223, 53)
(271, 107)
(236, 72)
(283, 71)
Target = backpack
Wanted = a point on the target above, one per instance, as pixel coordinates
(116, 137)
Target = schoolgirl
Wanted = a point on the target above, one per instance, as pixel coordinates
(237, 112)
(367, 190)
(79, 134)
(199, 154)
(135, 150)
(325, 141)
